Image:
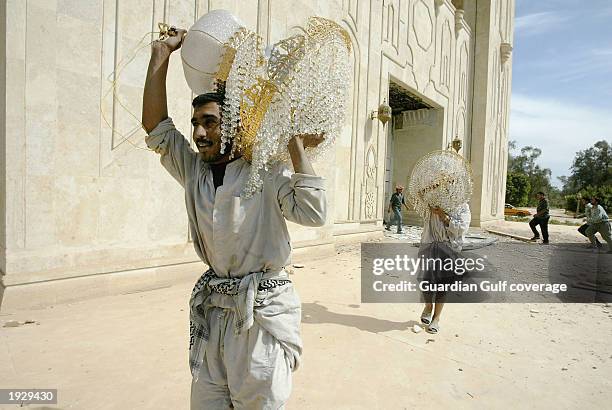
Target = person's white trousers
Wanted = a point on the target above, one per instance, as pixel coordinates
(241, 371)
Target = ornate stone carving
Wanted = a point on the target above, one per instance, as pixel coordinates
(370, 184)
(445, 58)
(438, 4)
(391, 24)
(495, 68)
(371, 163)
(423, 25)
(352, 121)
(353, 10)
(370, 206)
(463, 78)
(460, 124)
(458, 21)
(414, 118)
(505, 50)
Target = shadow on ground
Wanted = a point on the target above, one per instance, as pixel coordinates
(587, 272)
(315, 313)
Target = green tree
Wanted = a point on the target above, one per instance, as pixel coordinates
(604, 193)
(539, 178)
(511, 148)
(591, 176)
(517, 189)
(592, 167)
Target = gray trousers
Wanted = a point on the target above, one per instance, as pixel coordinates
(603, 228)
(245, 371)
(396, 218)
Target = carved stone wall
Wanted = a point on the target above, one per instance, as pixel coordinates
(493, 68)
(79, 200)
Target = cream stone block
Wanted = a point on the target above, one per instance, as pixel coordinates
(167, 220)
(42, 35)
(179, 97)
(77, 207)
(40, 220)
(15, 117)
(134, 18)
(135, 281)
(126, 113)
(15, 213)
(342, 182)
(47, 5)
(300, 233)
(245, 10)
(81, 288)
(121, 210)
(41, 90)
(15, 29)
(78, 120)
(132, 60)
(345, 138)
(283, 17)
(90, 11)
(38, 295)
(108, 55)
(422, 46)
(3, 146)
(80, 45)
(44, 294)
(41, 139)
(121, 150)
(423, 24)
(127, 160)
(37, 264)
(61, 262)
(181, 14)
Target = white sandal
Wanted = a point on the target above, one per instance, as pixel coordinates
(433, 327)
(426, 318)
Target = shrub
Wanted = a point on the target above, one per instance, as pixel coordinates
(604, 193)
(517, 189)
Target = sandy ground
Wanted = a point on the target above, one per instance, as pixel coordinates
(130, 351)
(557, 233)
(560, 215)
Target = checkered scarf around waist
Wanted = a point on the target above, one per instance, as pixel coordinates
(243, 292)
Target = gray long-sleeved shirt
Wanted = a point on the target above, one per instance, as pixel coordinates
(434, 229)
(597, 215)
(235, 235)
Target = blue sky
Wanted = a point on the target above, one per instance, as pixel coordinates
(562, 78)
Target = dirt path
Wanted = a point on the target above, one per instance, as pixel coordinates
(557, 233)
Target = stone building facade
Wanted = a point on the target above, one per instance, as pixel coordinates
(87, 211)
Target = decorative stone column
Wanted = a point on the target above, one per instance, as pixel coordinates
(459, 21)
(438, 4)
(505, 50)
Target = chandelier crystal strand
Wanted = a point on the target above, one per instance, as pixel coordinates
(442, 179)
(301, 89)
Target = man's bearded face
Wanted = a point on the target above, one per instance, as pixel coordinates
(206, 123)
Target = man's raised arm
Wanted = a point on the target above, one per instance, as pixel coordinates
(154, 105)
(301, 163)
(302, 195)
